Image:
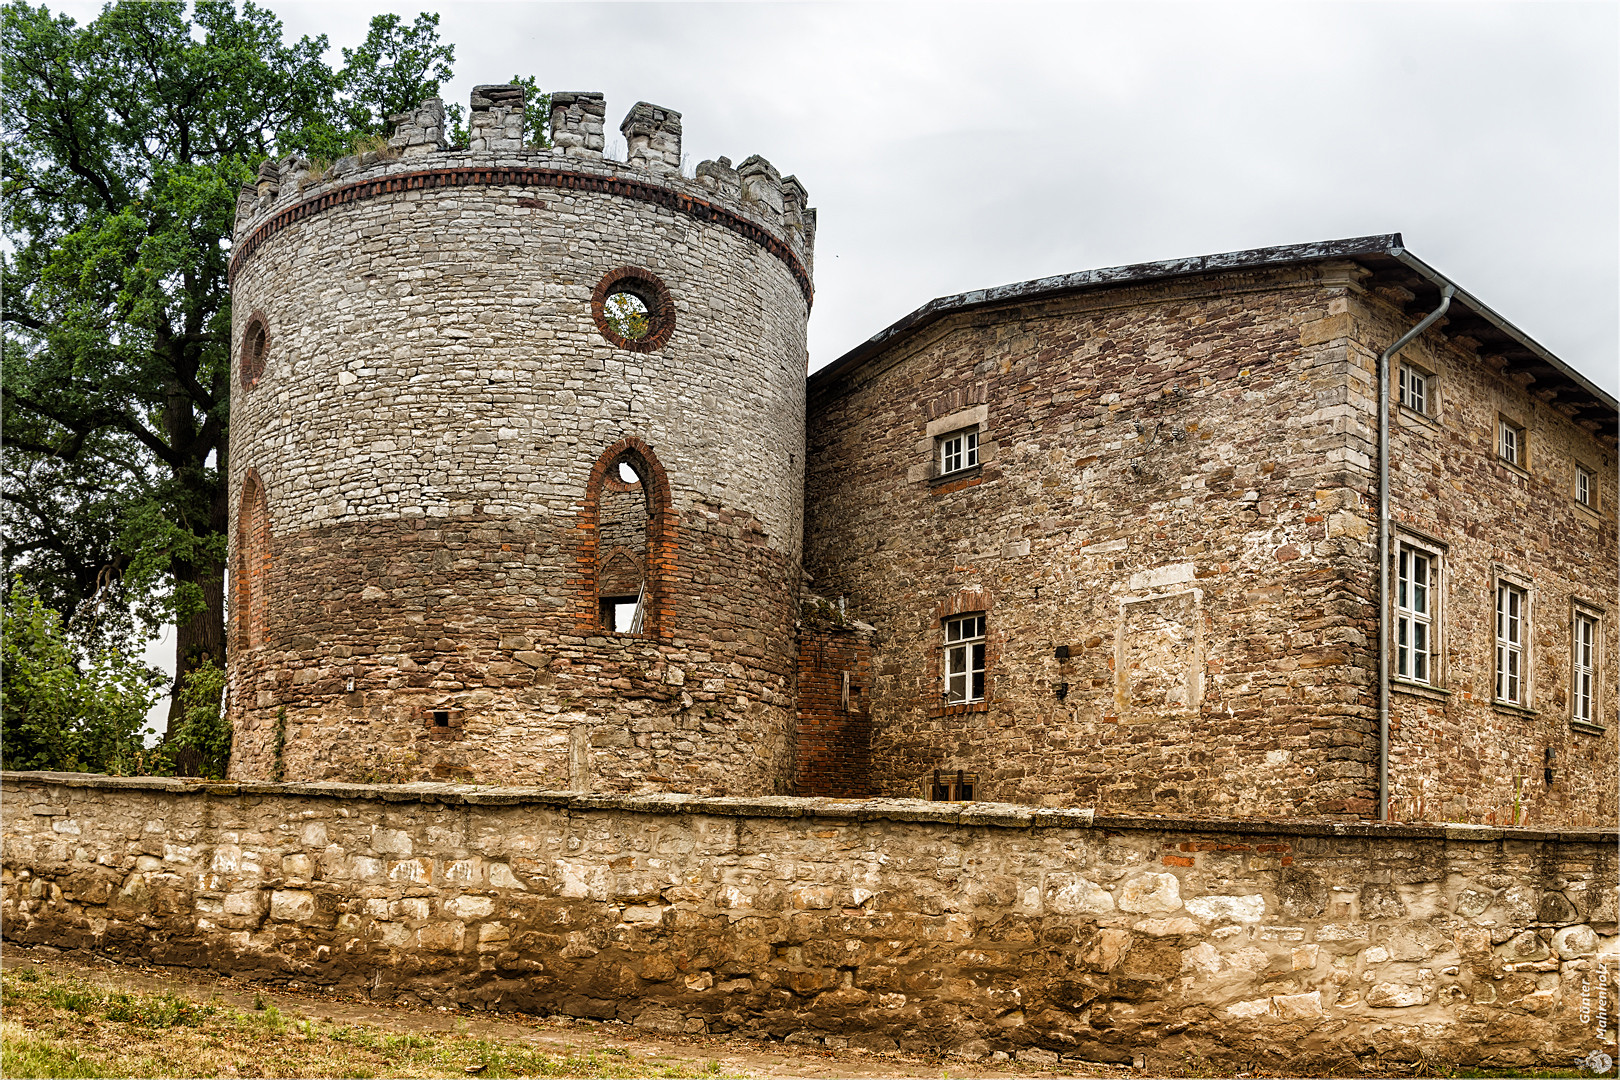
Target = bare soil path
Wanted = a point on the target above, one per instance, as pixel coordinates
(605, 1042)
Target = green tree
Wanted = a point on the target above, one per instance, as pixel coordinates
(392, 71)
(62, 709)
(124, 144)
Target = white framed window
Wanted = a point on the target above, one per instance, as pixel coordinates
(1584, 486)
(1416, 387)
(964, 659)
(1417, 601)
(959, 450)
(1510, 445)
(1584, 668)
(1512, 619)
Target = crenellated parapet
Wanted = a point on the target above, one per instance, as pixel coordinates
(753, 197)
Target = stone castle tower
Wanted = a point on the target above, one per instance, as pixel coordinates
(517, 459)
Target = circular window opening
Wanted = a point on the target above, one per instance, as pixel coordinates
(633, 309)
(255, 343)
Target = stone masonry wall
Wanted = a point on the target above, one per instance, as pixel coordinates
(975, 929)
(1456, 755)
(435, 399)
(1165, 535)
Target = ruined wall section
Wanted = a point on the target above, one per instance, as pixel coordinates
(434, 397)
(1166, 534)
(1049, 935)
(1456, 754)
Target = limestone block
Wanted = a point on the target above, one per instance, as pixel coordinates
(1148, 893)
(292, 905)
(1239, 909)
(1072, 895)
(1389, 995)
(1573, 942)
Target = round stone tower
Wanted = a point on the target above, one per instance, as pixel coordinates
(516, 459)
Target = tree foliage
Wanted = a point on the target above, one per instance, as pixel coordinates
(66, 706)
(123, 145)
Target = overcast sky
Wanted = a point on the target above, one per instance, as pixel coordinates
(955, 147)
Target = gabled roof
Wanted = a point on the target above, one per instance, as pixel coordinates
(1385, 256)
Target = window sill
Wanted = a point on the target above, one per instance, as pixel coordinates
(952, 477)
(1584, 728)
(1515, 709)
(1421, 417)
(1589, 512)
(1517, 470)
(1417, 689)
(959, 710)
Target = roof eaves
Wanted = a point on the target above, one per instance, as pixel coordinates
(1388, 245)
(1110, 276)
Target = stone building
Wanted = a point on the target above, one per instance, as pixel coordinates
(530, 488)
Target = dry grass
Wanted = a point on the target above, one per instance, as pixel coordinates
(63, 1026)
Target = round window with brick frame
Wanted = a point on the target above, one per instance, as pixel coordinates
(633, 309)
(255, 345)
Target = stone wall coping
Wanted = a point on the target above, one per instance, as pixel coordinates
(994, 815)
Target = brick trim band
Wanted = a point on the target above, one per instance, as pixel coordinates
(697, 209)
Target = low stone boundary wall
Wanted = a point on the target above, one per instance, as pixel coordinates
(970, 929)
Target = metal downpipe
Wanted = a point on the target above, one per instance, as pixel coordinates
(1383, 543)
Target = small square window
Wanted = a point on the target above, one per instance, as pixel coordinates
(1584, 481)
(1510, 445)
(964, 659)
(1417, 388)
(953, 787)
(958, 451)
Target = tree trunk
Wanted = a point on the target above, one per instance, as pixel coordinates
(200, 638)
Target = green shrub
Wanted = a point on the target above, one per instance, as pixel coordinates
(65, 707)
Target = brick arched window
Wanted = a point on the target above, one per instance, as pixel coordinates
(252, 562)
(627, 544)
(254, 349)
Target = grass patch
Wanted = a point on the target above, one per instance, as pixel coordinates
(64, 1026)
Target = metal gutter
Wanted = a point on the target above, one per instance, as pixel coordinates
(1383, 620)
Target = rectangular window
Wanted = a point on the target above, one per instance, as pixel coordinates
(1510, 442)
(1416, 579)
(1510, 638)
(958, 450)
(964, 659)
(1414, 389)
(1583, 486)
(1584, 669)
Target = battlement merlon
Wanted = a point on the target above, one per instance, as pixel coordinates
(421, 130)
(577, 122)
(495, 118)
(652, 137)
(496, 127)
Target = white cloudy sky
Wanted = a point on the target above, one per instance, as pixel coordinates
(954, 147)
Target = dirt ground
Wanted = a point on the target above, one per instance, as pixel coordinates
(556, 1035)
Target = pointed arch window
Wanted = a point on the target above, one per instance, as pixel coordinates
(252, 562)
(627, 553)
